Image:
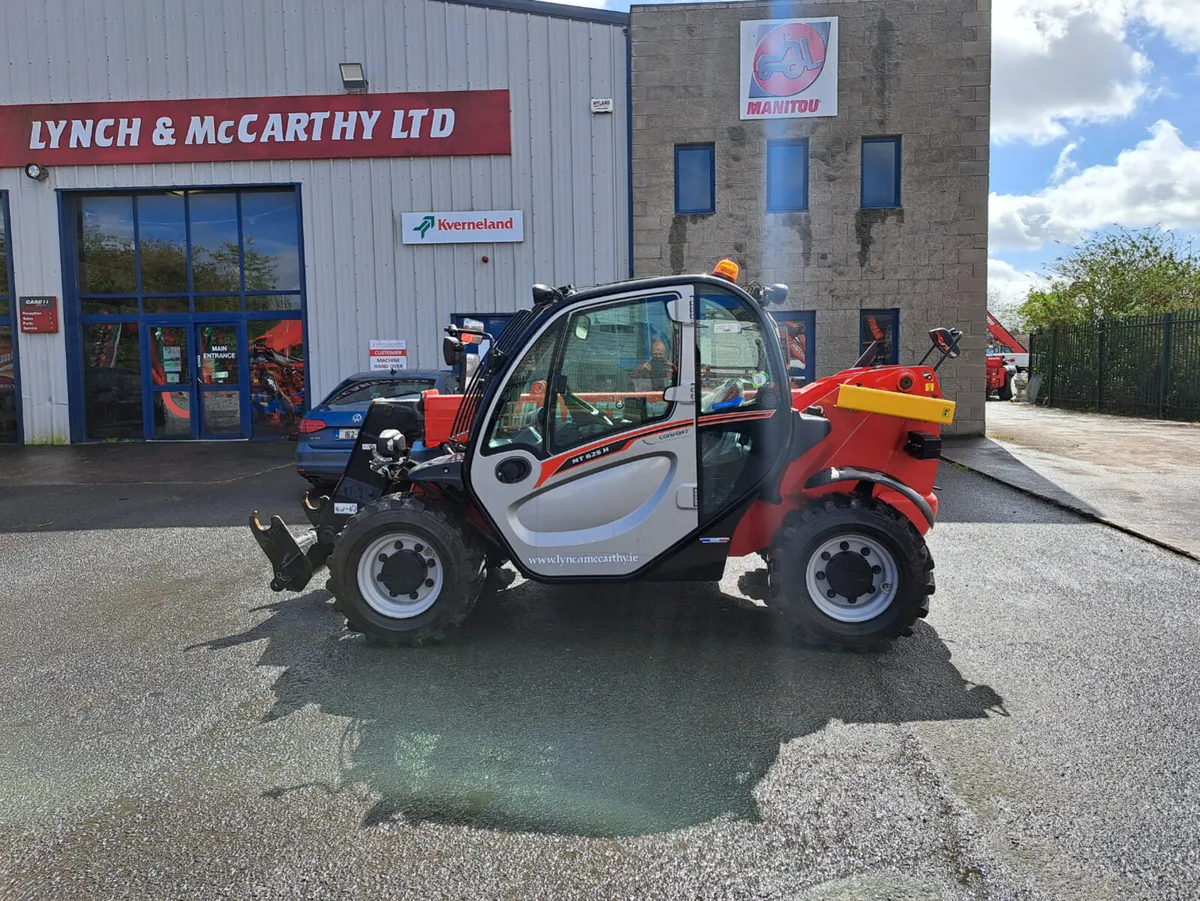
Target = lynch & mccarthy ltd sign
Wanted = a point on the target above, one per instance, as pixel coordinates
(340, 126)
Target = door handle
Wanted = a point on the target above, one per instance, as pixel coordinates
(512, 470)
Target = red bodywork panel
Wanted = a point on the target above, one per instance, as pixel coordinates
(864, 440)
(871, 441)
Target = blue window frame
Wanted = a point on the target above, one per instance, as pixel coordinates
(787, 175)
(695, 179)
(880, 173)
(10, 377)
(158, 283)
(797, 336)
(883, 325)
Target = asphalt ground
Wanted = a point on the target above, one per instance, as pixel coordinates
(169, 728)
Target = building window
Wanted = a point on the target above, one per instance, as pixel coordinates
(787, 175)
(695, 179)
(880, 173)
(882, 326)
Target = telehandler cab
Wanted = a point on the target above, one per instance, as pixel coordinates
(638, 430)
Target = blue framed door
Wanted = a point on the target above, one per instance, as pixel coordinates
(797, 334)
(170, 379)
(222, 379)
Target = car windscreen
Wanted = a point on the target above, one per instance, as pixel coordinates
(365, 392)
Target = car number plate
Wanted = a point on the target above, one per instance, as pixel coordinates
(347, 434)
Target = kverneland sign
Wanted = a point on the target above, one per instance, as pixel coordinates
(341, 126)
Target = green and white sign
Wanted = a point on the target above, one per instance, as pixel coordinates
(485, 227)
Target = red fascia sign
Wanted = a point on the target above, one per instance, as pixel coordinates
(340, 126)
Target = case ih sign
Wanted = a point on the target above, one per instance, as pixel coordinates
(38, 315)
(450, 123)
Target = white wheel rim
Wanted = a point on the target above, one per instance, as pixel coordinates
(372, 566)
(821, 581)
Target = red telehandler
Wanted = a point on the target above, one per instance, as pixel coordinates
(643, 430)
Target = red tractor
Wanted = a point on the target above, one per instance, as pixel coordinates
(1000, 375)
(643, 430)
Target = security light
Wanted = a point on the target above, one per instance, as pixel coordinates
(353, 76)
(36, 172)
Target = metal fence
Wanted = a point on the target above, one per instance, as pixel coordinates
(1136, 366)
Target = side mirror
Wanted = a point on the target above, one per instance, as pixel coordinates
(451, 350)
(583, 325)
(946, 340)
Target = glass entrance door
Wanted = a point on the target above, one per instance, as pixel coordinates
(220, 379)
(197, 382)
(172, 382)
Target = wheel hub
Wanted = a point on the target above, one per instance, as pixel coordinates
(852, 577)
(849, 574)
(403, 572)
(400, 575)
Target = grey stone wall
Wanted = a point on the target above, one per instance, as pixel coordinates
(915, 68)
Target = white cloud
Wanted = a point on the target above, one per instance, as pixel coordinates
(1157, 182)
(1007, 285)
(1178, 20)
(1057, 63)
(1065, 164)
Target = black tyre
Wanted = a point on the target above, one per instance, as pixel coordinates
(1005, 392)
(850, 573)
(404, 572)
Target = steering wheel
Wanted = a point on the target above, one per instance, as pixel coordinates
(594, 412)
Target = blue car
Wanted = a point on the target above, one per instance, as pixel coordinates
(328, 431)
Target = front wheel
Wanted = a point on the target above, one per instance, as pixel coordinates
(404, 572)
(1005, 391)
(850, 573)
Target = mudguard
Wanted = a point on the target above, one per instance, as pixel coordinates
(853, 474)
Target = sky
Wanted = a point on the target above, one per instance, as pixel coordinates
(1095, 125)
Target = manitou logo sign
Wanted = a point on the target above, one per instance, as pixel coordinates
(493, 226)
(447, 123)
(789, 68)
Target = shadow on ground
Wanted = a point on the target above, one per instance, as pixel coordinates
(123, 505)
(968, 497)
(983, 455)
(589, 711)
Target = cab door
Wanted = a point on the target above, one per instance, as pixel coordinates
(587, 460)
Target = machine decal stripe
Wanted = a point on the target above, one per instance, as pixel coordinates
(708, 419)
(613, 445)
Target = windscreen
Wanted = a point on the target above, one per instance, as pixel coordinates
(365, 392)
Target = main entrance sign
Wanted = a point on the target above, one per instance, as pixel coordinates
(447, 123)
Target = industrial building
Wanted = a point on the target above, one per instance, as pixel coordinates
(210, 213)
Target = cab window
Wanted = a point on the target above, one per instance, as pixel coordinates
(519, 419)
(617, 363)
(735, 372)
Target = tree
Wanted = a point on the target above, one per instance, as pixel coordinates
(1144, 272)
(1008, 312)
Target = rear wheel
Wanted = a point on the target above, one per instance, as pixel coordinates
(404, 572)
(1005, 392)
(850, 573)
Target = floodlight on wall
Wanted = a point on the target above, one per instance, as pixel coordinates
(36, 172)
(353, 76)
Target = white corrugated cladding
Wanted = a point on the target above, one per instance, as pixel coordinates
(568, 170)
